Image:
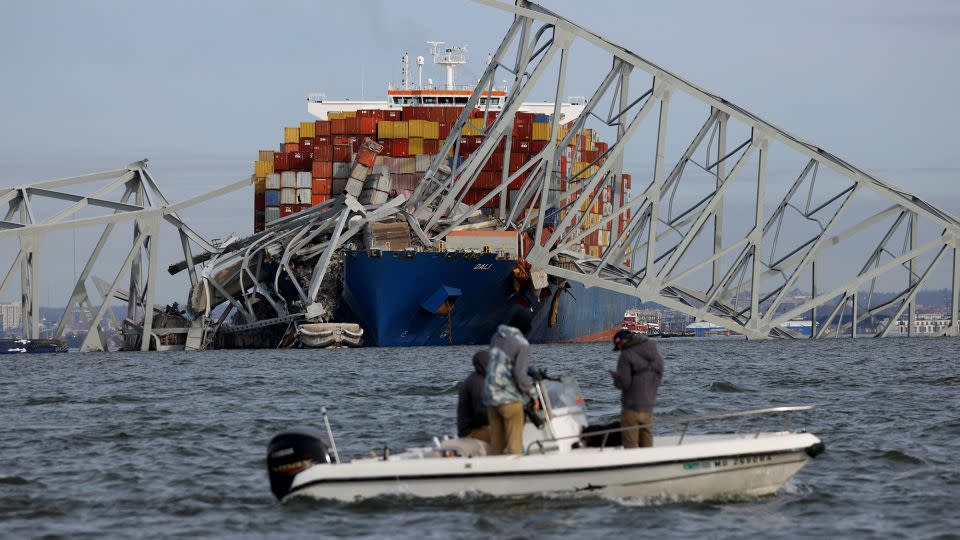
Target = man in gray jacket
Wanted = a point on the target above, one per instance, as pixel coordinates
(507, 383)
(638, 375)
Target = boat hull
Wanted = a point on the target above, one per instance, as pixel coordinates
(740, 468)
(397, 298)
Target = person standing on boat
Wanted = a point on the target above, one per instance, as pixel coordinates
(508, 384)
(471, 411)
(638, 375)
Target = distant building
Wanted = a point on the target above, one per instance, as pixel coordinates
(12, 314)
(925, 324)
(708, 329)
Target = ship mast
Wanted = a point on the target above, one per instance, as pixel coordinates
(450, 58)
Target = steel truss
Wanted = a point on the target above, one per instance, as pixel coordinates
(653, 258)
(133, 196)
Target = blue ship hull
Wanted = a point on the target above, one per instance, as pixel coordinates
(427, 298)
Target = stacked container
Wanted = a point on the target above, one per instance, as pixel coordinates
(326, 158)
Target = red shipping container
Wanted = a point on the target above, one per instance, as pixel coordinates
(525, 117)
(287, 209)
(322, 128)
(521, 145)
(367, 126)
(436, 114)
(626, 181)
(299, 161)
(302, 207)
(451, 114)
(321, 186)
(517, 160)
(259, 201)
(291, 147)
(537, 146)
(322, 169)
(323, 153)
(601, 146)
(351, 125)
(342, 153)
(522, 129)
(399, 147)
(338, 127)
(393, 115)
(306, 144)
(431, 146)
(319, 199)
(518, 183)
(495, 163)
(444, 129)
(488, 179)
(281, 161)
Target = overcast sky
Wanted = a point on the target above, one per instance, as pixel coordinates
(198, 87)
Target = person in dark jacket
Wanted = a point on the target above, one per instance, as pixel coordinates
(638, 375)
(507, 384)
(471, 412)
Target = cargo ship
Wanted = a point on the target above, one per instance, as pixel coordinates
(401, 293)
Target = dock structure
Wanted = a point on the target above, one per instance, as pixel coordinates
(705, 234)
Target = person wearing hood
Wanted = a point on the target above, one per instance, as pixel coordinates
(507, 383)
(638, 375)
(471, 411)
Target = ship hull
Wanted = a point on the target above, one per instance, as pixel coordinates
(412, 299)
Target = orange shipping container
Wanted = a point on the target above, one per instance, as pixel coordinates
(322, 169)
(318, 199)
(321, 186)
(321, 128)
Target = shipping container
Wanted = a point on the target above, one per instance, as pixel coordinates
(321, 128)
(308, 129)
(288, 179)
(272, 181)
(303, 179)
(288, 195)
(318, 199)
(271, 197)
(291, 135)
(271, 213)
(323, 153)
(340, 170)
(415, 145)
(288, 209)
(342, 152)
(322, 169)
(303, 195)
(259, 201)
(259, 185)
(321, 186)
(266, 155)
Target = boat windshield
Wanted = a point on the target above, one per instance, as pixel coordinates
(564, 393)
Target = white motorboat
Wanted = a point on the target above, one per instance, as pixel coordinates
(560, 456)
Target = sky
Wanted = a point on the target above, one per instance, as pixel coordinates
(198, 87)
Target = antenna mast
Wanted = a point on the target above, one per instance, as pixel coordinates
(450, 58)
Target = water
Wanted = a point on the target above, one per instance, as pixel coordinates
(174, 444)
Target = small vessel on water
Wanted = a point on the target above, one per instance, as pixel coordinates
(562, 455)
(21, 346)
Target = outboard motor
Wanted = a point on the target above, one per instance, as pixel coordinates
(293, 451)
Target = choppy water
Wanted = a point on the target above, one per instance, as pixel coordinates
(173, 444)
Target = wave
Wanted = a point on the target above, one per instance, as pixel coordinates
(13, 481)
(897, 456)
(427, 390)
(726, 387)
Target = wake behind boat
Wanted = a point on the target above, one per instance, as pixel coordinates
(561, 456)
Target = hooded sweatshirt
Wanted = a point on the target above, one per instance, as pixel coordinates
(507, 379)
(471, 412)
(639, 371)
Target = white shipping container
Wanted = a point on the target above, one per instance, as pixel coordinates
(303, 195)
(288, 195)
(408, 165)
(272, 213)
(288, 179)
(272, 181)
(354, 187)
(359, 172)
(304, 180)
(423, 162)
